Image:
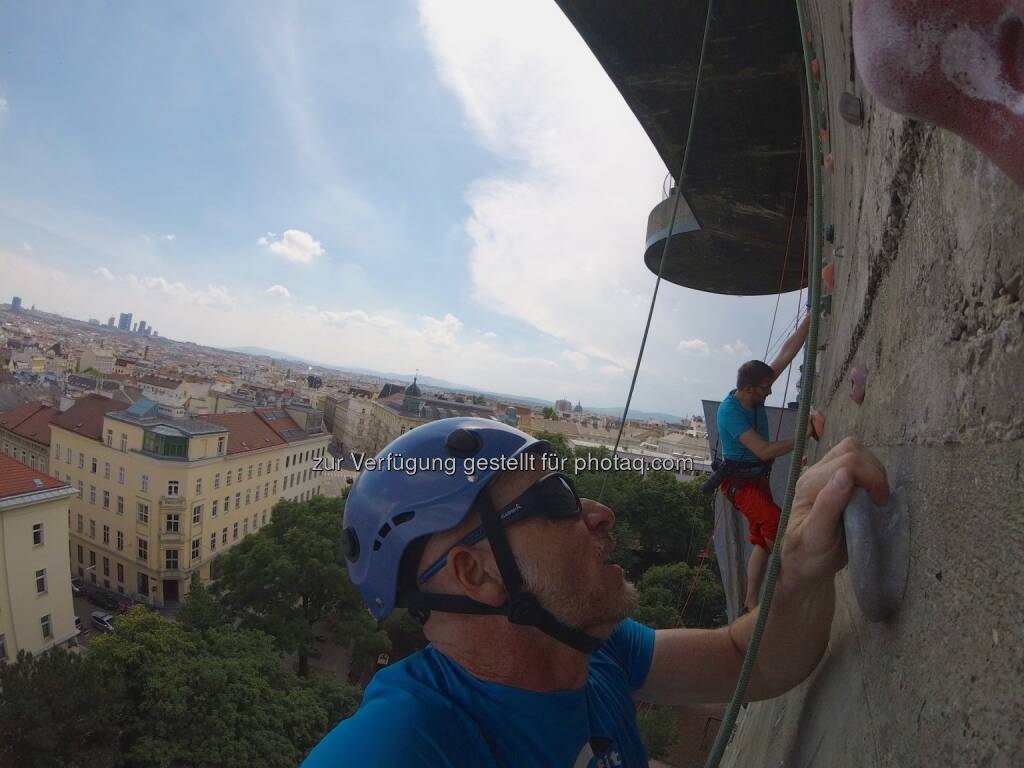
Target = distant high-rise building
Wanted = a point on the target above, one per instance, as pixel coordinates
(142, 327)
(110, 322)
(135, 327)
(124, 321)
(16, 303)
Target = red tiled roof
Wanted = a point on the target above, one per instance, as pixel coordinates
(281, 423)
(246, 431)
(160, 381)
(85, 417)
(17, 479)
(31, 421)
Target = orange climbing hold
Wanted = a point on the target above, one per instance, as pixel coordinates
(823, 135)
(817, 425)
(816, 70)
(828, 276)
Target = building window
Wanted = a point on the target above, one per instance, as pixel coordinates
(120, 505)
(216, 481)
(68, 455)
(143, 513)
(81, 554)
(92, 494)
(224, 536)
(79, 489)
(220, 446)
(239, 474)
(287, 461)
(81, 461)
(171, 559)
(120, 475)
(257, 494)
(234, 532)
(172, 487)
(259, 470)
(228, 477)
(144, 483)
(255, 517)
(275, 487)
(245, 527)
(268, 466)
(238, 500)
(227, 504)
(263, 518)
(247, 498)
(124, 442)
(277, 465)
(106, 534)
(197, 514)
(37, 534)
(106, 499)
(143, 583)
(250, 471)
(41, 581)
(92, 562)
(143, 550)
(44, 623)
(213, 541)
(172, 523)
(213, 508)
(92, 529)
(110, 438)
(120, 573)
(120, 541)
(106, 470)
(92, 466)
(199, 487)
(195, 550)
(106, 566)
(266, 489)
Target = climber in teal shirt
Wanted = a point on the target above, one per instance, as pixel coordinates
(532, 661)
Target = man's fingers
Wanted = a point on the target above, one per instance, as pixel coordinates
(820, 531)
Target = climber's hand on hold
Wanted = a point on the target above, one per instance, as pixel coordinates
(813, 547)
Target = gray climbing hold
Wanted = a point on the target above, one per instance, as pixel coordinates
(878, 544)
(826, 304)
(858, 384)
(851, 108)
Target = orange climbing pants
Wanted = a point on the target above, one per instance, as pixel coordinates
(753, 498)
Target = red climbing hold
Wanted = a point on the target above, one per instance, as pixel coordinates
(858, 384)
(959, 65)
(829, 163)
(828, 276)
(823, 135)
(817, 426)
(816, 70)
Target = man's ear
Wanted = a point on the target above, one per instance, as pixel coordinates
(476, 575)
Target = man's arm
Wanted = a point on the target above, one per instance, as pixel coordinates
(763, 449)
(791, 347)
(700, 665)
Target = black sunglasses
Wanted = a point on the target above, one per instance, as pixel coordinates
(553, 496)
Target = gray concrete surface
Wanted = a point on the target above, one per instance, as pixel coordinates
(928, 299)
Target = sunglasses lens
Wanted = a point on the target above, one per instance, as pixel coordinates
(558, 499)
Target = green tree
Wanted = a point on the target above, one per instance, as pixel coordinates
(659, 729)
(550, 413)
(200, 609)
(291, 575)
(213, 699)
(667, 590)
(57, 710)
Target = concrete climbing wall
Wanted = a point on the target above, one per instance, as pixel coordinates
(928, 300)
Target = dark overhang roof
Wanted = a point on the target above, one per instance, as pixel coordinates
(743, 167)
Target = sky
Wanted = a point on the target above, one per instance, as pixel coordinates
(444, 186)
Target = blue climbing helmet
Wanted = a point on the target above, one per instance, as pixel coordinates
(419, 485)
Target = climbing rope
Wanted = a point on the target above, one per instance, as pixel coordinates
(668, 236)
(810, 359)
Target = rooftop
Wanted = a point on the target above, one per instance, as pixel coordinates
(146, 413)
(31, 421)
(85, 417)
(16, 479)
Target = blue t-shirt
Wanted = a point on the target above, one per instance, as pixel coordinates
(427, 710)
(733, 421)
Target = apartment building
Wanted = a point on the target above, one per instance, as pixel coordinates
(25, 434)
(36, 610)
(160, 496)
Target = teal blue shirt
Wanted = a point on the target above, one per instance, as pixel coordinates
(427, 711)
(733, 421)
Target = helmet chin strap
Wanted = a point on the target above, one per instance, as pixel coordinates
(522, 607)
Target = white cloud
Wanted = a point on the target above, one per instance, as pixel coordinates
(169, 238)
(564, 208)
(294, 245)
(280, 291)
(737, 349)
(3, 104)
(27, 246)
(490, 335)
(443, 332)
(693, 347)
(579, 360)
(103, 272)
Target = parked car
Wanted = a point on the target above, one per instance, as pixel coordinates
(103, 621)
(77, 586)
(104, 600)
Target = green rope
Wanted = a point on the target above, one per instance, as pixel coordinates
(768, 589)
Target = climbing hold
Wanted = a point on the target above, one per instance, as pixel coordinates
(878, 546)
(851, 109)
(954, 64)
(816, 70)
(829, 163)
(858, 384)
(817, 425)
(837, 252)
(823, 135)
(826, 304)
(810, 37)
(830, 233)
(828, 276)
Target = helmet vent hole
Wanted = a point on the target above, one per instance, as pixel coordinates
(384, 531)
(376, 545)
(405, 517)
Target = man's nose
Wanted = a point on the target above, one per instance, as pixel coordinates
(597, 516)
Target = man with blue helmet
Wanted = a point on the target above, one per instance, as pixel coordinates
(532, 660)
